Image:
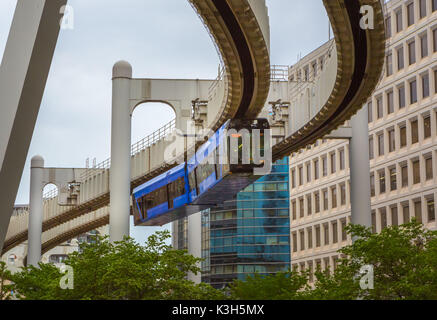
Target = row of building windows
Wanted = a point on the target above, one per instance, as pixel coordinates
(319, 200)
(399, 136)
(385, 103)
(401, 175)
(321, 264)
(423, 210)
(319, 235)
(320, 166)
(418, 44)
(420, 7)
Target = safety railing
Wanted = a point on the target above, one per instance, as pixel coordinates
(137, 147)
(154, 137)
(279, 73)
(50, 194)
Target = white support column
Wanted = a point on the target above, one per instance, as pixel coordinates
(35, 211)
(23, 75)
(119, 181)
(194, 242)
(360, 169)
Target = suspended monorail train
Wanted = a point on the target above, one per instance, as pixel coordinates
(219, 169)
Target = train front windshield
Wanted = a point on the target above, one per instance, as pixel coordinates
(240, 142)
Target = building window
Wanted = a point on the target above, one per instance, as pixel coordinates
(389, 64)
(379, 109)
(302, 240)
(391, 140)
(342, 160)
(429, 170)
(427, 126)
(434, 5)
(430, 208)
(400, 53)
(343, 230)
(300, 176)
(416, 171)
(333, 164)
(393, 180)
(424, 46)
(403, 135)
(308, 172)
(406, 213)
(334, 196)
(373, 215)
(294, 209)
(434, 36)
(399, 26)
(410, 14)
(325, 200)
(413, 92)
(293, 178)
(317, 201)
(390, 104)
(418, 210)
(334, 232)
(381, 144)
(404, 175)
(372, 184)
(422, 7)
(325, 166)
(383, 214)
(370, 112)
(326, 233)
(394, 216)
(310, 237)
(316, 169)
(301, 208)
(317, 236)
(309, 207)
(414, 131)
(343, 194)
(388, 27)
(401, 95)
(381, 175)
(371, 152)
(425, 86)
(294, 242)
(411, 52)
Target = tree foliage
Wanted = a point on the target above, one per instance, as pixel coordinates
(404, 261)
(5, 285)
(121, 271)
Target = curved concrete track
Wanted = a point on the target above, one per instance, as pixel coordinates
(242, 38)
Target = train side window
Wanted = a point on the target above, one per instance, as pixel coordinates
(192, 180)
(176, 189)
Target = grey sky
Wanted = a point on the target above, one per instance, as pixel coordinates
(161, 39)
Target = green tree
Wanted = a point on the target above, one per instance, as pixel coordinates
(279, 286)
(404, 261)
(124, 270)
(5, 285)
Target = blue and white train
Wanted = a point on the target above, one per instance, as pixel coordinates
(204, 181)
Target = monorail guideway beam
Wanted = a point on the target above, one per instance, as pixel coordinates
(23, 75)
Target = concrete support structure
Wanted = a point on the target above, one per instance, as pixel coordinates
(39, 177)
(360, 169)
(36, 210)
(23, 75)
(119, 180)
(194, 242)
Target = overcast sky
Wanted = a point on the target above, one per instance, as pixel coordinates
(161, 39)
